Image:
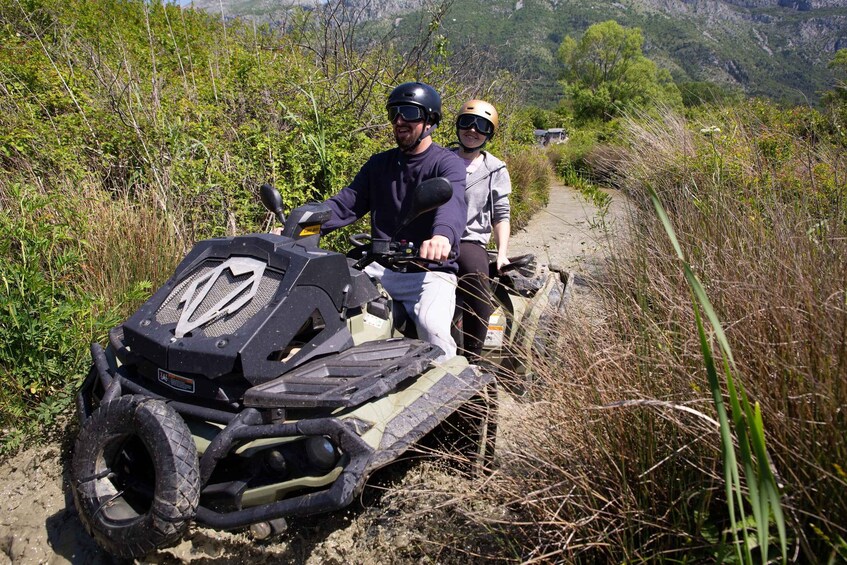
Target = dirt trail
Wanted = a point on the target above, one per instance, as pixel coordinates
(38, 522)
(565, 233)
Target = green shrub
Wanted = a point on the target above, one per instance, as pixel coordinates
(47, 322)
(531, 176)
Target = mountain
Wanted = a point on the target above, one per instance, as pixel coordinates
(259, 9)
(774, 48)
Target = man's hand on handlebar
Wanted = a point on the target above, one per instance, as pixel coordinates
(435, 249)
(398, 255)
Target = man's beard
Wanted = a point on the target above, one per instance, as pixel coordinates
(406, 143)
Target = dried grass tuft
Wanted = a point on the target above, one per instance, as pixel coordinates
(614, 455)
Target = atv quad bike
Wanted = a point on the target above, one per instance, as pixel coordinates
(261, 382)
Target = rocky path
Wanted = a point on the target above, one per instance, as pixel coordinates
(38, 523)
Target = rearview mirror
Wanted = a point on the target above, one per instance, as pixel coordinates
(428, 196)
(272, 201)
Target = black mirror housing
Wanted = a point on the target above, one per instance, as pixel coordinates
(428, 196)
(272, 200)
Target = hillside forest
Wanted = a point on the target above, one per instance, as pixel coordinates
(773, 48)
(702, 417)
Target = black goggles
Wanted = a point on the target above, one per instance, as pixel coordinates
(468, 121)
(408, 113)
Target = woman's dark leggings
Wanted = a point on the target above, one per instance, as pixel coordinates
(474, 296)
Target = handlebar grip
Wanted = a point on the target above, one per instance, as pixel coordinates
(360, 239)
(393, 254)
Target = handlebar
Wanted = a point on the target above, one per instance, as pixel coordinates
(394, 255)
(360, 239)
(516, 263)
(525, 264)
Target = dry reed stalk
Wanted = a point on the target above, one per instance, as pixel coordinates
(128, 241)
(604, 464)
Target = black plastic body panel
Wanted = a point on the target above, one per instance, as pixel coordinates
(313, 280)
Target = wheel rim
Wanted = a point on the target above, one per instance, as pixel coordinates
(126, 489)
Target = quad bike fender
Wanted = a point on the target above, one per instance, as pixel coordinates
(536, 313)
(402, 418)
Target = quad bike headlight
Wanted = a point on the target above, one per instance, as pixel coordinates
(321, 452)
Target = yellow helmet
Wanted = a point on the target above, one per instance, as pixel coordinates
(482, 109)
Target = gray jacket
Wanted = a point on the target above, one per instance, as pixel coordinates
(487, 195)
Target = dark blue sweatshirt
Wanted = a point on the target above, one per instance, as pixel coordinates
(383, 187)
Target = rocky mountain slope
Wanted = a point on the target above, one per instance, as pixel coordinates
(776, 48)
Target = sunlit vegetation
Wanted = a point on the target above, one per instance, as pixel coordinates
(131, 129)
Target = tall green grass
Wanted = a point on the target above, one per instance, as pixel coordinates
(763, 496)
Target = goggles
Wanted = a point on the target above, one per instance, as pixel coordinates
(408, 113)
(468, 121)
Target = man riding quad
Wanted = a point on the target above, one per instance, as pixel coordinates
(382, 188)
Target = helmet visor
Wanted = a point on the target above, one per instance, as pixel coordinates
(468, 121)
(407, 112)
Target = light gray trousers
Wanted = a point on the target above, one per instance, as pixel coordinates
(429, 299)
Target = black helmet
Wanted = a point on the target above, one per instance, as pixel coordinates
(417, 94)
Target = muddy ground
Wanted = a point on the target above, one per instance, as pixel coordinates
(38, 522)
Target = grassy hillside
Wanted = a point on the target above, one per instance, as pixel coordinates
(766, 51)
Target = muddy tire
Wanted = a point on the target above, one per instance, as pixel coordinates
(134, 476)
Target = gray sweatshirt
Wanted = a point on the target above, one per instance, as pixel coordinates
(487, 195)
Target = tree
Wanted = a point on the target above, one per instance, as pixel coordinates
(606, 73)
(839, 68)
